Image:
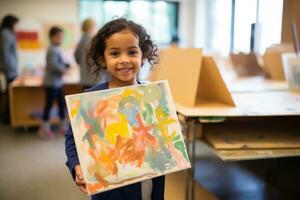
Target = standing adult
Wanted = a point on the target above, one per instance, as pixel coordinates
(87, 78)
(8, 56)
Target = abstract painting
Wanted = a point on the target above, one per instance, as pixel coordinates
(126, 135)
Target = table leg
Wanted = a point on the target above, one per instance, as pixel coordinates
(188, 171)
(193, 157)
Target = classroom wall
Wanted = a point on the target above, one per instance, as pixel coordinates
(291, 11)
(66, 11)
(34, 14)
(42, 10)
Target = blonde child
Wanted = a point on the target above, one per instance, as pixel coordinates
(122, 47)
(87, 78)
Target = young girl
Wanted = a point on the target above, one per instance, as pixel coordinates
(122, 47)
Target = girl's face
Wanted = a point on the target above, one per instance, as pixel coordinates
(123, 58)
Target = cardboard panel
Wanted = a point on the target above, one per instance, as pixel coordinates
(194, 80)
(211, 87)
(273, 62)
(181, 67)
(246, 64)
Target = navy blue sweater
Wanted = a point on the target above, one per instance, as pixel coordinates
(129, 192)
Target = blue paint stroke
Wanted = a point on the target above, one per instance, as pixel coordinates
(130, 107)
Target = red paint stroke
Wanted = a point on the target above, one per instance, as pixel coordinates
(27, 35)
(144, 138)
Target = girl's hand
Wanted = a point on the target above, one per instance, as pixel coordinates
(79, 179)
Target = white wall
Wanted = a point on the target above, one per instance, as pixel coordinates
(41, 10)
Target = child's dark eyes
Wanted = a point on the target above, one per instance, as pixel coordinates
(133, 53)
(130, 53)
(114, 53)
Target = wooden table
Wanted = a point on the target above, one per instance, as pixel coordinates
(27, 100)
(253, 106)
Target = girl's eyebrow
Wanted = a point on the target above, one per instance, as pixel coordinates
(117, 48)
(113, 48)
(133, 47)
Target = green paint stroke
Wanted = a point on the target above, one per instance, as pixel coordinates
(180, 146)
(148, 114)
(177, 138)
(96, 128)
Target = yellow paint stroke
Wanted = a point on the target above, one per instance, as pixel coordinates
(75, 108)
(163, 122)
(130, 92)
(117, 129)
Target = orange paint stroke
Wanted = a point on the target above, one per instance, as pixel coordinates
(129, 154)
(106, 110)
(94, 187)
(104, 156)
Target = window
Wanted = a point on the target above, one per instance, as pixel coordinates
(213, 25)
(270, 18)
(245, 15)
(159, 18)
(225, 25)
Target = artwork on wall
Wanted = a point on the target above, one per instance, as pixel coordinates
(28, 40)
(126, 135)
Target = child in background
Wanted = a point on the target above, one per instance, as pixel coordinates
(122, 47)
(55, 68)
(87, 78)
(8, 61)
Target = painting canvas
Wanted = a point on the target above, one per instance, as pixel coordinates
(126, 135)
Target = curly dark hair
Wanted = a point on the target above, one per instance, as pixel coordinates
(97, 46)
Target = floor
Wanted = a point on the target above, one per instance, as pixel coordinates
(34, 169)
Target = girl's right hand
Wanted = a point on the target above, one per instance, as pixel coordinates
(79, 179)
